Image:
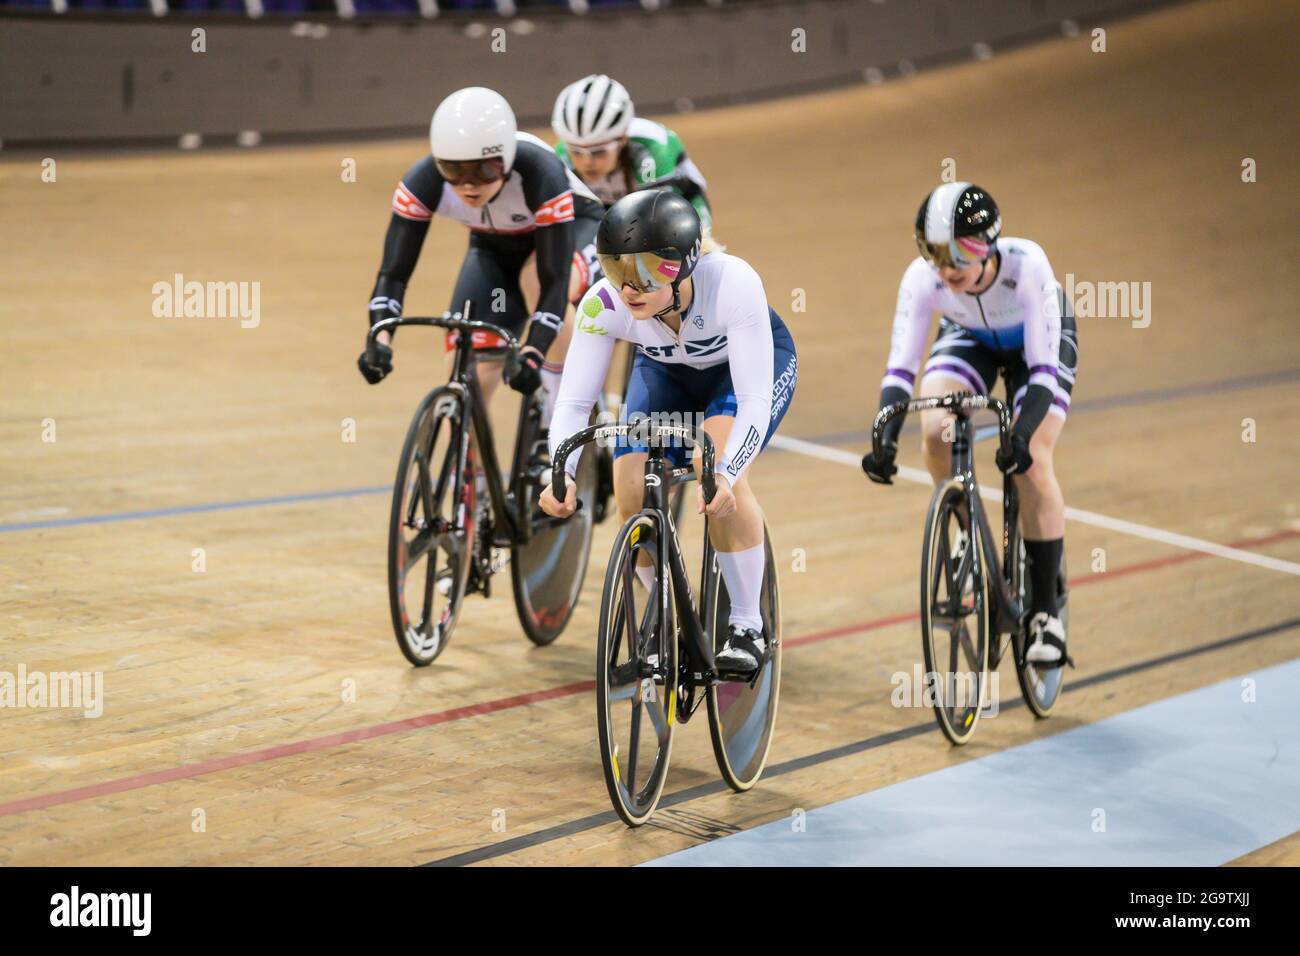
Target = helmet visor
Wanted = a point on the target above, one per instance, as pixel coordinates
(957, 254)
(643, 271)
(593, 152)
(470, 172)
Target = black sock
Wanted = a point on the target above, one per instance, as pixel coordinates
(1044, 564)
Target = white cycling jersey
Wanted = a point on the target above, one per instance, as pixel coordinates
(1020, 311)
(727, 321)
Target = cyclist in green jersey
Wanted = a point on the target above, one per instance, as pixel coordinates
(614, 152)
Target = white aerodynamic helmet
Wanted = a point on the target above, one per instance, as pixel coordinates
(474, 123)
(593, 110)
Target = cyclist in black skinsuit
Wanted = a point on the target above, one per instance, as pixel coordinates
(527, 214)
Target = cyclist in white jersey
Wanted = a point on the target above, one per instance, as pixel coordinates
(707, 345)
(1001, 310)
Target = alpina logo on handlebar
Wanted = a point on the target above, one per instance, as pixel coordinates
(673, 429)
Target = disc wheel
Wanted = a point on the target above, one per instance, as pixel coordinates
(547, 572)
(742, 715)
(1041, 686)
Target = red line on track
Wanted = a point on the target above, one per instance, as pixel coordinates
(217, 764)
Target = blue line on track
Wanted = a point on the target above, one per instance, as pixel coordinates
(1086, 405)
(196, 509)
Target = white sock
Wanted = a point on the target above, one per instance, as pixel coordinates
(551, 373)
(743, 573)
(646, 575)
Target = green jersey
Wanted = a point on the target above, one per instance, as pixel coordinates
(655, 153)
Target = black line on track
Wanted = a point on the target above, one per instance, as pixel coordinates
(549, 834)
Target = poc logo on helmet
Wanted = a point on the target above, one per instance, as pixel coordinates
(492, 150)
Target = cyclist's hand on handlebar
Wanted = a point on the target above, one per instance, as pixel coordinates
(723, 503)
(559, 509)
(377, 366)
(528, 376)
(881, 470)
(1019, 461)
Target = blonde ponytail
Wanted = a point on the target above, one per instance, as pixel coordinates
(709, 244)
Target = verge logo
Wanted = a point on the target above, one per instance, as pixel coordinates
(103, 909)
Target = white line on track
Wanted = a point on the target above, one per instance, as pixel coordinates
(922, 477)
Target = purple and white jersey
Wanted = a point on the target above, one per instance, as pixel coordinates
(1021, 311)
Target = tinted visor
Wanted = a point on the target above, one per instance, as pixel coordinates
(643, 271)
(470, 172)
(957, 254)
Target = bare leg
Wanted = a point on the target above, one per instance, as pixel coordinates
(629, 492)
(938, 427)
(1042, 506)
(743, 528)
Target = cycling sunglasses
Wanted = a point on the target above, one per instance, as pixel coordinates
(958, 254)
(470, 172)
(643, 271)
(590, 152)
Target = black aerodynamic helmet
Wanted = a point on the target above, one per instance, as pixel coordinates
(958, 224)
(649, 239)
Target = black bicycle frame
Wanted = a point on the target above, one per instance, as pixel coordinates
(463, 379)
(961, 405)
(660, 477)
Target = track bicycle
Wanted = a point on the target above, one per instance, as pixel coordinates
(973, 603)
(655, 650)
(453, 512)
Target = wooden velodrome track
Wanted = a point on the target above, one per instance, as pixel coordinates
(224, 690)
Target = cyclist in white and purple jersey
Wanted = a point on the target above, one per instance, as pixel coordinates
(1001, 310)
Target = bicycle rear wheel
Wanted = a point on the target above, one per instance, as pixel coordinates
(636, 672)
(548, 572)
(742, 715)
(954, 627)
(1041, 686)
(431, 527)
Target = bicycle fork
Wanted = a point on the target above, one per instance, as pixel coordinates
(658, 482)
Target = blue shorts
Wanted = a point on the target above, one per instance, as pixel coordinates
(677, 394)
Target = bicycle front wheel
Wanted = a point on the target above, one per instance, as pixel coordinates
(636, 674)
(954, 627)
(431, 528)
(742, 715)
